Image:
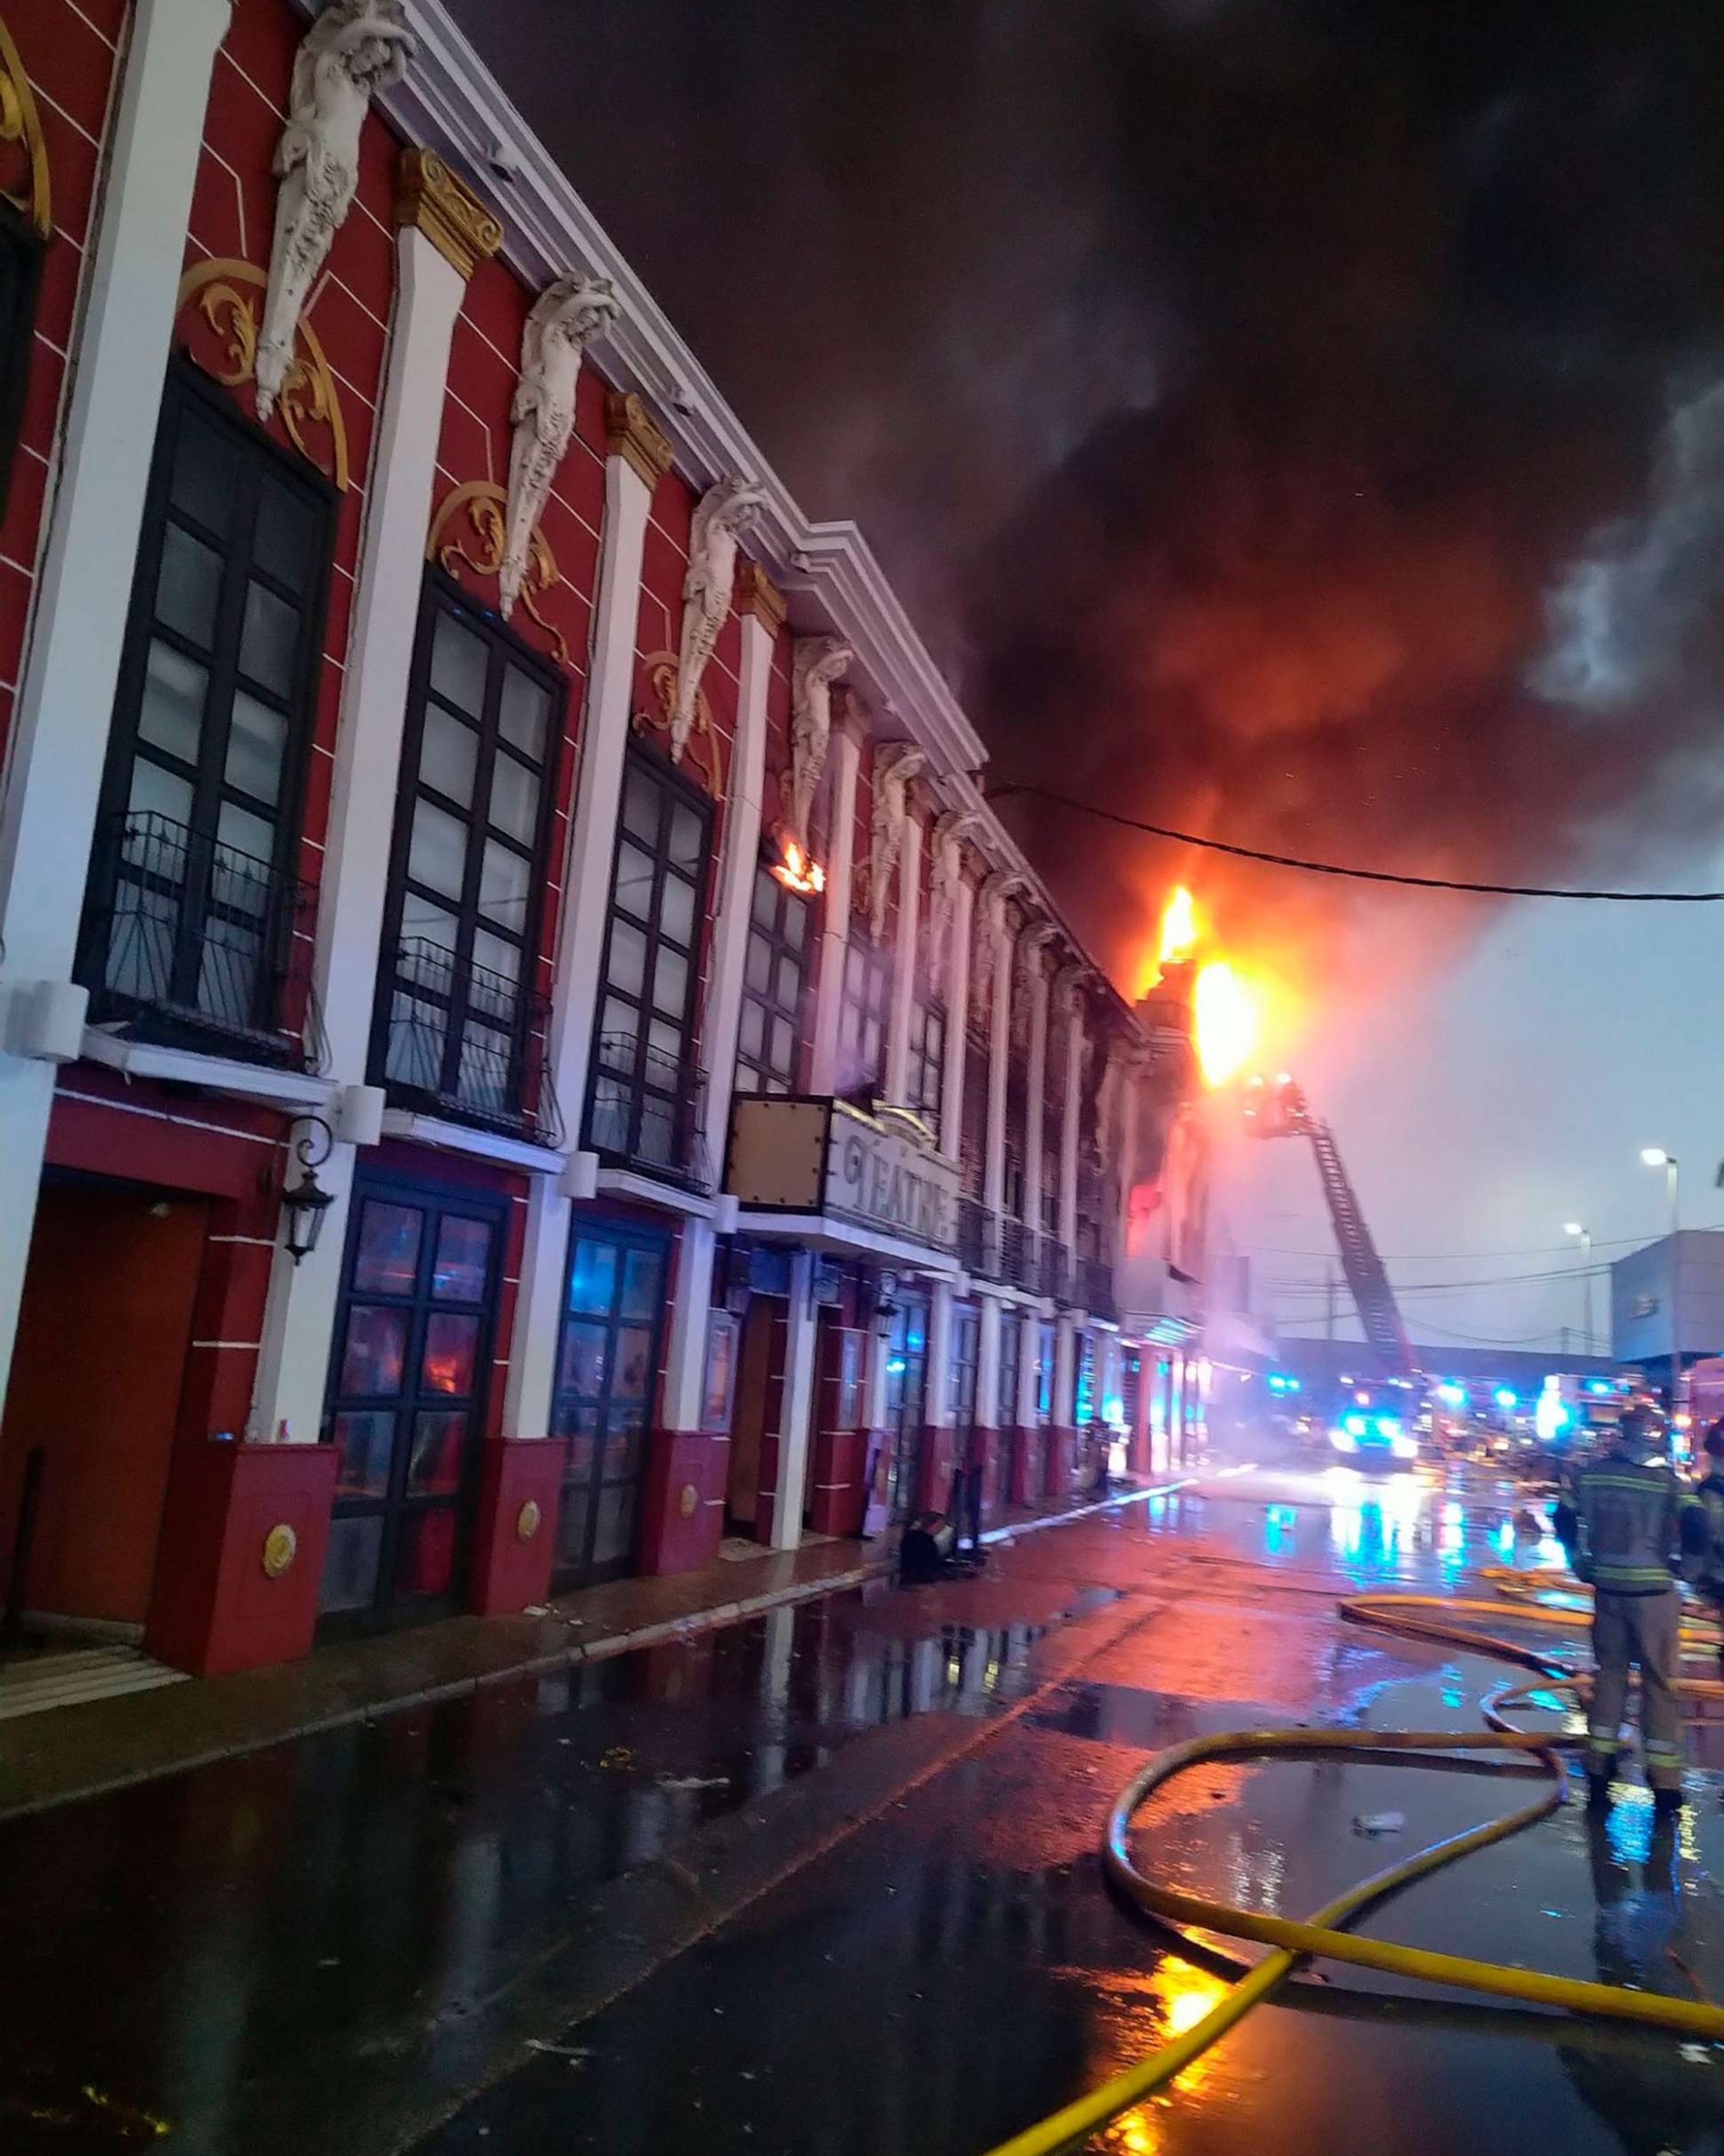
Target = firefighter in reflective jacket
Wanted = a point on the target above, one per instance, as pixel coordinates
(1623, 1526)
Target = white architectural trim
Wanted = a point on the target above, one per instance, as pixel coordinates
(446, 1137)
(1074, 1045)
(212, 1074)
(647, 1190)
(987, 1362)
(743, 808)
(957, 1019)
(797, 1416)
(580, 947)
(58, 741)
(1036, 1091)
(300, 1317)
(936, 1411)
(690, 1303)
(845, 762)
(999, 954)
(822, 1231)
(904, 967)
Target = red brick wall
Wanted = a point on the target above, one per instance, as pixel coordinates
(69, 57)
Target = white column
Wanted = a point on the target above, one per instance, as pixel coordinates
(1069, 1132)
(936, 1413)
(1125, 1167)
(798, 1405)
(987, 1362)
(999, 1056)
(1064, 1406)
(638, 456)
(71, 662)
(904, 969)
(1029, 1356)
(298, 1319)
(763, 613)
(835, 930)
(957, 1000)
(691, 1305)
(1034, 1092)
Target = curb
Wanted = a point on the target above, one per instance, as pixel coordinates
(712, 1619)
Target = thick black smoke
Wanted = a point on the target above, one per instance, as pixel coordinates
(1299, 420)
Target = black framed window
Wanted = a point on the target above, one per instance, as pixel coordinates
(775, 973)
(641, 1105)
(21, 249)
(864, 1012)
(193, 906)
(455, 1001)
(925, 1070)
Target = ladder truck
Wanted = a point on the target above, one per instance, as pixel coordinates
(1279, 1109)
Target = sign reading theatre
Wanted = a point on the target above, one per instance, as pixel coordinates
(827, 1157)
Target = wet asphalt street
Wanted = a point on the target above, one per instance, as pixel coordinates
(827, 1882)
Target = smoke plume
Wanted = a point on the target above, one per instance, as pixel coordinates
(1297, 421)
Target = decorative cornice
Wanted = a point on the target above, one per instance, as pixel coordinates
(756, 594)
(631, 433)
(432, 199)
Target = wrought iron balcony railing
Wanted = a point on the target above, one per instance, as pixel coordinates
(1095, 1288)
(977, 1240)
(1016, 1254)
(192, 943)
(1054, 1269)
(469, 1044)
(645, 1111)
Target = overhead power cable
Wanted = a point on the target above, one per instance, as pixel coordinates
(1011, 789)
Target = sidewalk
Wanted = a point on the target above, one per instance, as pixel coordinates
(80, 1751)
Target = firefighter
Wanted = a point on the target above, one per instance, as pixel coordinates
(1627, 1519)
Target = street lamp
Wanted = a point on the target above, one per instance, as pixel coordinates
(1574, 1228)
(1656, 1156)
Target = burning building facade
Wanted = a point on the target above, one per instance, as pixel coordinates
(522, 1048)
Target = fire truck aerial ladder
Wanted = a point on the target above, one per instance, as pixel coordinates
(1280, 1110)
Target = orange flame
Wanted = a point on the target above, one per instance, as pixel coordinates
(1179, 928)
(1227, 1021)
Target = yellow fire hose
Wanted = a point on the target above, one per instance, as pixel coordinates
(1320, 1936)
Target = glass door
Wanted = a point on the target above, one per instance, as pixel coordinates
(407, 1398)
(906, 1398)
(607, 1373)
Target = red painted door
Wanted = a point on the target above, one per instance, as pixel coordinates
(103, 1331)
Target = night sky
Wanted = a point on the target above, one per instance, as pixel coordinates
(1297, 421)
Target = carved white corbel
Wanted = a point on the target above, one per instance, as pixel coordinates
(722, 513)
(894, 768)
(991, 932)
(565, 318)
(1033, 940)
(946, 844)
(816, 662)
(354, 48)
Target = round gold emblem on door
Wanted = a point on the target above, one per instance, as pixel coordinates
(686, 1502)
(281, 1546)
(528, 1519)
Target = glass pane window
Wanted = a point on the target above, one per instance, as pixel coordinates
(925, 1070)
(641, 1106)
(863, 1014)
(212, 722)
(471, 855)
(774, 980)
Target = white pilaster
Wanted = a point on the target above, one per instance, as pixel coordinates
(71, 662)
(636, 454)
(988, 1361)
(957, 1001)
(937, 1412)
(298, 1319)
(740, 865)
(1068, 1132)
(1034, 1093)
(1065, 1415)
(1125, 1167)
(835, 931)
(1029, 1357)
(690, 1304)
(910, 888)
(798, 1406)
(999, 1056)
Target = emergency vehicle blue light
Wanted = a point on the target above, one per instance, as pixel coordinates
(1505, 1398)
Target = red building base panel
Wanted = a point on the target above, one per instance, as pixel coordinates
(1058, 1455)
(837, 1491)
(682, 1500)
(1020, 1451)
(519, 1488)
(243, 1537)
(937, 1457)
